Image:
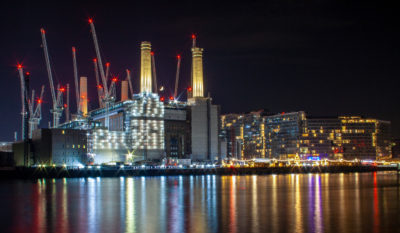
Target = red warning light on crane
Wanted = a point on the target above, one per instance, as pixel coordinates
(90, 20)
(193, 36)
(178, 56)
(115, 79)
(19, 66)
(94, 60)
(27, 73)
(107, 64)
(39, 101)
(62, 89)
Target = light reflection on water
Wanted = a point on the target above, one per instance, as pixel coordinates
(365, 202)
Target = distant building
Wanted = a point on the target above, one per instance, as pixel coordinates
(396, 149)
(293, 135)
(283, 134)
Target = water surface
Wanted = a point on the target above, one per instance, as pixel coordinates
(358, 202)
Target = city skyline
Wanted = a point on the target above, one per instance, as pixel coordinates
(276, 68)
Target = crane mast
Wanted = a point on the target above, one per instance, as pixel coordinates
(97, 49)
(128, 76)
(178, 67)
(77, 94)
(23, 109)
(57, 100)
(108, 95)
(35, 112)
(99, 87)
(153, 66)
(67, 110)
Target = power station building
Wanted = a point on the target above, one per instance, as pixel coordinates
(141, 128)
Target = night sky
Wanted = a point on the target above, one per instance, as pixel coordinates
(327, 58)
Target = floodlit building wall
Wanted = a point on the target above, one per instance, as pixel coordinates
(204, 129)
(146, 127)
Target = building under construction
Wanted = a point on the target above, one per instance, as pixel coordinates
(136, 127)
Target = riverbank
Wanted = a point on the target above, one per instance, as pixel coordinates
(61, 172)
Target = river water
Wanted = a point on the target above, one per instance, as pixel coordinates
(356, 202)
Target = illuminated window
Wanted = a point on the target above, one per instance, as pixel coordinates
(63, 132)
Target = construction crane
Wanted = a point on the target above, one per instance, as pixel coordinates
(24, 110)
(108, 95)
(35, 112)
(66, 106)
(77, 94)
(57, 99)
(128, 77)
(153, 66)
(98, 85)
(178, 67)
(107, 70)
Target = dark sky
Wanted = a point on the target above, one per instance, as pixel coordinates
(323, 57)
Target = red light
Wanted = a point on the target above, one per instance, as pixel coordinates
(73, 49)
(39, 101)
(171, 98)
(90, 20)
(152, 53)
(193, 36)
(115, 79)
(42, 30)
(94, 60)
(62, 89)
(99, 86)
(19, 66)
(189, 89)
(107, 64)
(65, 105)
(283, 113)
(179, 56)
(27, 73)
(162, 98)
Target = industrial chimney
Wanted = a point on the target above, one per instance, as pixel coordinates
(197, 72)
(145, 67)
(83, 93)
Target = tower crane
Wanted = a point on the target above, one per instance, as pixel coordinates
(99, 86)
(24, 110)
(178, 67)
(108, 95)
(35, 111)
(57, 99)
(66, 106)
(128, 77)
(77, 94)
(153, 66)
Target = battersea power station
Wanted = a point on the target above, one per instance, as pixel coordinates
(141, 127)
